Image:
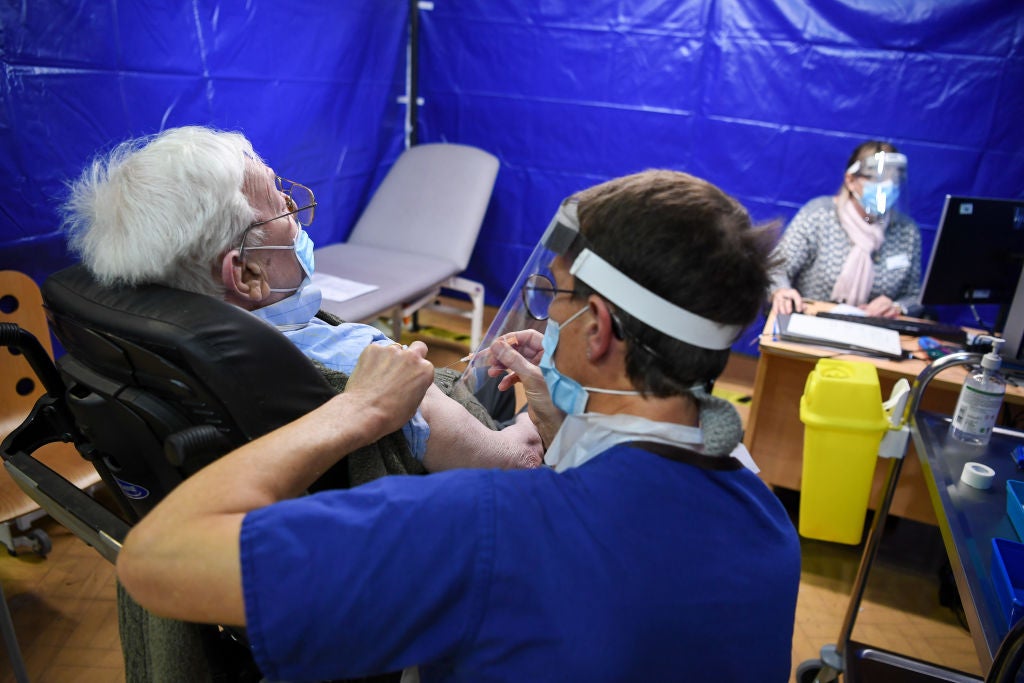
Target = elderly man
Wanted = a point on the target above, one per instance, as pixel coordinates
(197, 209)
(646, 553)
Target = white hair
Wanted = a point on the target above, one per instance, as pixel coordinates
(162, 209)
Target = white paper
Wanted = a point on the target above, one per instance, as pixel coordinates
(847, 309)
(339, 289)
(848, 335)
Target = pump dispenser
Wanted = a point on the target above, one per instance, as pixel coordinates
(980, 398)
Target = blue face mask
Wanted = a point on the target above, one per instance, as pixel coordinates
(303, 248)
(879, 198)
(567, 394)
(304, 252)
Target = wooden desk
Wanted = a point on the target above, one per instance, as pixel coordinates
(774, 433)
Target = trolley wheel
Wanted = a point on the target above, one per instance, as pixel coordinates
(807, 671)
(41, 544)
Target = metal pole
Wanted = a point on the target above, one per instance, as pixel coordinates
(412, 75)
(11, 640)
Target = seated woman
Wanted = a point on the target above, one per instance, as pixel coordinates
(855, 247)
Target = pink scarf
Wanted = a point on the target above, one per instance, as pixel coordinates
(858, 273)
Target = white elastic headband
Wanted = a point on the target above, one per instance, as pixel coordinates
(649, 308)
(640, 302)
(877, 162)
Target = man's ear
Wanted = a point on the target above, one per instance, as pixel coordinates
(245, 281)
(601, 333)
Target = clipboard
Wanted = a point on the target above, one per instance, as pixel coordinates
(840, 334)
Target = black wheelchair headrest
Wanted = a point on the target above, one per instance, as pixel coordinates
(204, 354)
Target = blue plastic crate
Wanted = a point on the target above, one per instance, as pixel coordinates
(1008, 577)
(1015, 505)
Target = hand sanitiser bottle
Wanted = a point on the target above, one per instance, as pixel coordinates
(980, 399)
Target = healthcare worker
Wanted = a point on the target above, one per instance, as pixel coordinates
(858, 247)
(647, 552)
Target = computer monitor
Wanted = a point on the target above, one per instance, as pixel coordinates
(977, 258)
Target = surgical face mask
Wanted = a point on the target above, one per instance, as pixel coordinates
(879, 198)
(303, 248)
(567, 394)
(304, 252)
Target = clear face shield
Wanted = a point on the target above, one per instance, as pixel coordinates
(561, 237)
(883, 184)
(530, 295)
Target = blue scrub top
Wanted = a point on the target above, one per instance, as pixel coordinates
(631, 567)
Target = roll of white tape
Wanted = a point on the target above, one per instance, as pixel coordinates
(977, 475)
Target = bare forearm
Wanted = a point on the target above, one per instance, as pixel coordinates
(457, 439)
(182, 559)
(275, 467)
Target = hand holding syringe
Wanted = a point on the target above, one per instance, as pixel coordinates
(526, 343)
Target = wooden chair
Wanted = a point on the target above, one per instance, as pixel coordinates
(22, 304)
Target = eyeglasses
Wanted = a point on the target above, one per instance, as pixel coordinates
(298, 200)
(538, 293)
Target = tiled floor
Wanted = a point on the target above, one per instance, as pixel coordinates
(65, 617)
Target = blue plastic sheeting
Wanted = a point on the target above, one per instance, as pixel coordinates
(314, 85)
(766, 99)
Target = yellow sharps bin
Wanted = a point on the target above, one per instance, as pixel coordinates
(843, 426)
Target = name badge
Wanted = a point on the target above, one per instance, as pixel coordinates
(897, 261)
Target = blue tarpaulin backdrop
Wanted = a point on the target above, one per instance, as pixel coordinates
(765, 98)
(314, 85)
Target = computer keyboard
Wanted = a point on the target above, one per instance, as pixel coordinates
(916, 328)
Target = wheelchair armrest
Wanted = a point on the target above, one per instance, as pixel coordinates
(68, 504)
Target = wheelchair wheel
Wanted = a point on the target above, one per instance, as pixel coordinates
(41, 544)
(807, 671)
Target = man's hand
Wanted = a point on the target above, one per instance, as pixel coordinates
(520, 364)
(389, 382)
(528, 345)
